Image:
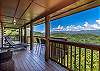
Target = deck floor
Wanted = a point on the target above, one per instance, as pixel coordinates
(26, 60)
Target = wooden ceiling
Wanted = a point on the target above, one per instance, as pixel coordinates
(25, 11)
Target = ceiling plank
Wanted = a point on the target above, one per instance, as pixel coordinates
(25, 11)
(12, 17)
(73, 8)
(16, 10)
(39, 4)
(76, 10)
(12, 27)
(62, 4)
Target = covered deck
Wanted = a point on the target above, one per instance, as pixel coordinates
(57, 54)
(26, 60)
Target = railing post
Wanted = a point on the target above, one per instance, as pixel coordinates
(47, 34)
(25, 34)
(31, 36)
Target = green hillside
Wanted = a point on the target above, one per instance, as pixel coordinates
(83, 38)
(38, 33)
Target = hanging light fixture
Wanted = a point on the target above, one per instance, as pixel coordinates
(14, 21)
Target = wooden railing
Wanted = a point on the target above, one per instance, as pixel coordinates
(75, 56)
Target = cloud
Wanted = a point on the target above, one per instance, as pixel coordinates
(59, 28)
(98, 22)
(85, 26)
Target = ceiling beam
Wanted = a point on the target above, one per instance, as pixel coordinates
(7, 22)
(72, 9)
(39, 4)
(12, 17)
(16, 10)
(62, 4)
(55, 17)
(25, 11)
(12, 27)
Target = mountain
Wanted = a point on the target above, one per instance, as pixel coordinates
(95, 32)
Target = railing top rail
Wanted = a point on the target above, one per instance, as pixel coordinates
(76, 44)
(50, 37)
(82, 45)
(40, 36)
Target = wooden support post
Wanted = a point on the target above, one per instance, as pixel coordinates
(21, 35)
(47, 34)
(31, 36)
(1, 27)
(2, 33)
(25, 34)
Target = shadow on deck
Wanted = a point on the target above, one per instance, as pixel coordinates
(26, 60)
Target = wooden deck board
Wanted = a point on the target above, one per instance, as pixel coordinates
(26, 60)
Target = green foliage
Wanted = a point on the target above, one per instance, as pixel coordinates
(81, 38)
(11, 31)
(38, 33)
(82, 59)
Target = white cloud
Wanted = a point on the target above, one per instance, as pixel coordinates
(98, 22)
(85, 26)
(59, 28)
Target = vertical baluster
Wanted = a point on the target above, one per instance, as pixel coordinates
(79, 57)
(59, 51)
(85, 61)
(91, 60)
(71, 57)
(75, 60)
(51, 50)
(99, 59)
(54, 50)
(64, 53)
(67, 58)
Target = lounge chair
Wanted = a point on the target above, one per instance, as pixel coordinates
(11, 44)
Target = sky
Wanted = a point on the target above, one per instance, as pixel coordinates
(85, 20)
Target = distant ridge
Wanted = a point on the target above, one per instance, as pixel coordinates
(95, 32)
